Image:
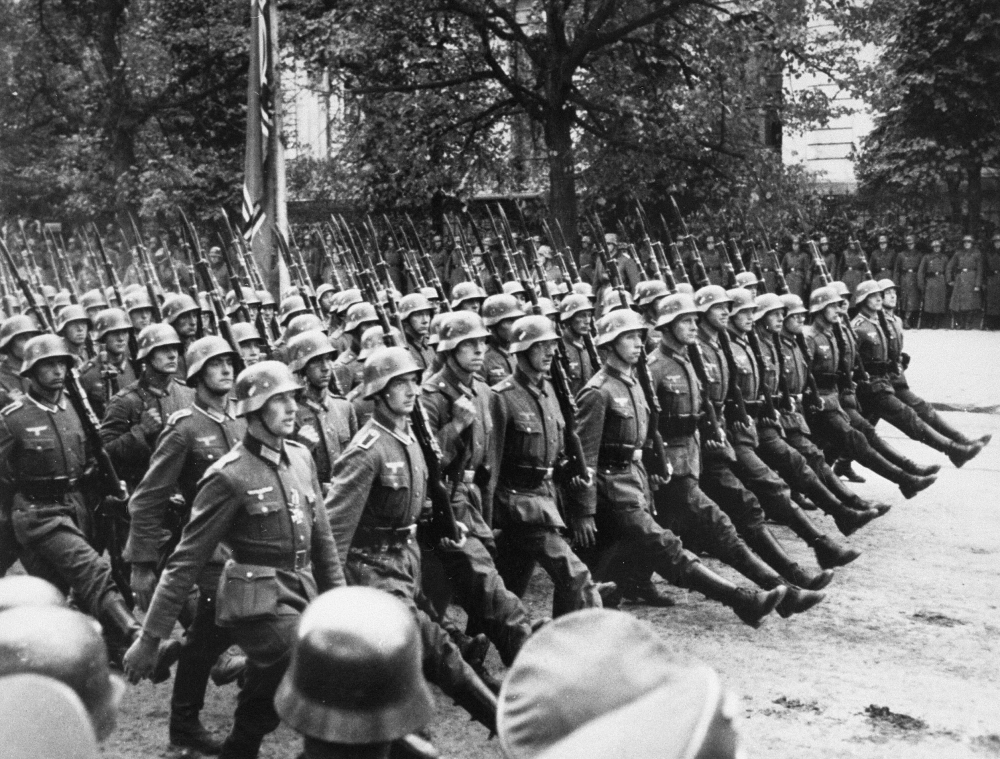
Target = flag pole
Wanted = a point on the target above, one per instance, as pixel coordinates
(279, 189)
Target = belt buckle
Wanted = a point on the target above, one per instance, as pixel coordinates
(468, 476)
(637, 455)
(301, 559)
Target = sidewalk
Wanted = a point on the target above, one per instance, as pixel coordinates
(955, 370)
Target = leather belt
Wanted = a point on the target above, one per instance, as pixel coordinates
(383, 539)
(680, 424)
(522, 477)
(47, 489)
(468, 477)
(294, 563)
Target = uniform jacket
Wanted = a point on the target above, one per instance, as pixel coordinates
(832, 266)
(824, 364)
(932, 280)
(873, 348)
(528, 429)
(194, 439)
(578, 360)
(797, 267)
(896, 373)
(718, 378)
(853, 270)
(348, 371)
(12, 385)
(420, 350)
(498, 364)
(907, 276)
(679, 392)
(265, 505)
(379, 483)
(883, 264)
(991, 281)
(613, 424)
(126, 443)
(92, 377)
(795, 374)
(965, 275)
(325, 427)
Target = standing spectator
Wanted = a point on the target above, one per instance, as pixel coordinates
(965, 275)
(883, 260)
(906, 276)
(991, 281)
(853, 268)
(933, 285)
(796, 264)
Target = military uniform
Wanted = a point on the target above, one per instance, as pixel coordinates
(796, 267)
(529, 427)
(12, 384)
(965, 275)
(97, 373)
(420, 350)
(348, 371)
(907, 278)
(465, 459)
(991, 283)
(769, 272)
(265, 505)
(854, 269)
(612, 420)
(325, 427)
(933, 284)
(378, 491)
(883, 264)
(577, 360)
(816, 277)
(498, 364)
(129, 447)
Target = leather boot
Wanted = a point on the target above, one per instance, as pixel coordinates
(849, 521)
(803, 502)
(844, 469)
(896, 459)
(194, 735)
(911, 484)
(798, 600)
(931, 437)
(116, 615)
(771, 551)
(187, 700)
(935, 420)
(830, 554)
(858, 503)
(240, 745)
(646, 592)
(751, 606)
(478, 700)
(960, 453)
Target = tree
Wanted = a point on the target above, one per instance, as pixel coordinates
(618, 95)
(938, 103)
(115, 104)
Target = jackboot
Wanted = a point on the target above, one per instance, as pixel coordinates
(187, 700)
(911, 484)
(241, 745)
(857, 503)
(894, 457)
(960, 453)
(766, 546)
(646, 592)
(830, 554)
(843, 468)
(931, 437)
(848, 520)
(477, 699)
(751, 606)
(116, 615)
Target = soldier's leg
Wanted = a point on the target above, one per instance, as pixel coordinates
(268, 645)
(905, 419)
(931, 417)
(574, 587)
(817, 462)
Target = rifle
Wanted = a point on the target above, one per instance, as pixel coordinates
(147, 276)
(656, 461)
(430, 271)
(49, 246)
(92, 259)
(471, 274)
(569, 262)
(491, 266)
(338, 239)
(30, 265)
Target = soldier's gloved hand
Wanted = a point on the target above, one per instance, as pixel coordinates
(714, 443)
(905, 360)
(463, 412)
(660, 480)
(584, 532)
(455, 545)
(140, 659)
(143, 583)
(151, 423)
(579, 483)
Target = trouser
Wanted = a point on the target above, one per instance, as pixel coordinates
(523, 547)
(686, 510)
(793, 468)
(885, 405)
(268, 646)
(54, 548)
(928, 414)
(204, 643)
(843, 433)
(817, 462)
(719, 483)
(470, 577)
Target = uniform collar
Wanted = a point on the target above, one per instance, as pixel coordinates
(259, 448)
(537, 390)
(59, 406)
(709, 336)
(678, 354)
(453, 378)
(152, 389)
(617, 374)
(212, 414)
(381, 420)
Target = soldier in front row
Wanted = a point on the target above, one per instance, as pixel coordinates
(263, 500)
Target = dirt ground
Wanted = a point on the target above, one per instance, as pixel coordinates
(902, 658)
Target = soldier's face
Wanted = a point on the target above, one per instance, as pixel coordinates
(420, 322)
(164, 360)
(883, 243)
(824, 243)
(910, 243)
(628, 346)
(278, 414)
(250, 351)
(742, 321)
(540, 356)
(470, 305)
(874, 302)
(116, 341)
(502, 330)
(469, 354)
(717, 316)
(685, 329)
(141, 318)
(794, 323)
(890, 298)
(325, 301)
(580, 323)
(217, 375)
(832, 313)
(772, 321)
(76, 332)
(318, 371)
(50, 374)
(967, 243)
(400, 394)
(186, 324)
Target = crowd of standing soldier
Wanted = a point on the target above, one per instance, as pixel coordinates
(658, 405)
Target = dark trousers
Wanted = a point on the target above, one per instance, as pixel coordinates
(789, 463)
(928, 414)
(817, 462)
(633, 545)
(686, 510)
(721, 484)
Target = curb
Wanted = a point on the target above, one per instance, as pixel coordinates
(967, 408)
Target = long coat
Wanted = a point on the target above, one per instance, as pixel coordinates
(991, 280)
(965, 275)
(883, 264)
(907, 278)
(853, 269)
(796, 267)
(933, 282)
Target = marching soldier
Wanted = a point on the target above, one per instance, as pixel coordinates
(499, 314)
(648, 295)
(73, 325)
(965, 276)
(181, 312)
(613, 423)
(796, 264)
(14, 335)
(528, 425)
(139, 309)
(324, 423)
(262, 499)
(467, 296)
(575, 313)
(415, 311)
(110, 371)
(348, 369)
(135, 416)
(193, 440)
(933, 283)
(251, 343)
(376, 496)
(93, 302)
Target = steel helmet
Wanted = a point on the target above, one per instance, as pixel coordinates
(650, 291)
(673, 307)
(384, 365)
(45, 718)
(529, 330)
(303, 323)
(864, 289)
(93, 299)
(766, 303)
(685, 287)
(306, 346)
(135, 287)
(513, 287)
(25, 590)
(584, 288)
(290, 292)
(464, 291)
(348, 298)
(323, 289)
(793, 304)
(137, 300)
(458, 326)
(747, 279)
(200, 351)
(257, 384)
(710, 295)
(374, 337)
(266, 299)
(66, 646)
(110, 294)
(72, 313)
(412, 304)
(359, 315)
(496, 308)
(384, 293)
(45, 346)
(435, 325)
(291, 306)
(156, 336)
(887, 284)
(841, 289)
(244, 332)
(234, 304)
(547, 307)
(822, 297)
(430, 293)
(611, 300)
(355, 676)
(176, 305)
(49, 292)
(11, 304)
(19, 324)
(573, 304)
(61, 300)
(618, 322)
(743, 300)
(558, 289)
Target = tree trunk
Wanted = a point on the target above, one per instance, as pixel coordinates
(562, 174)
